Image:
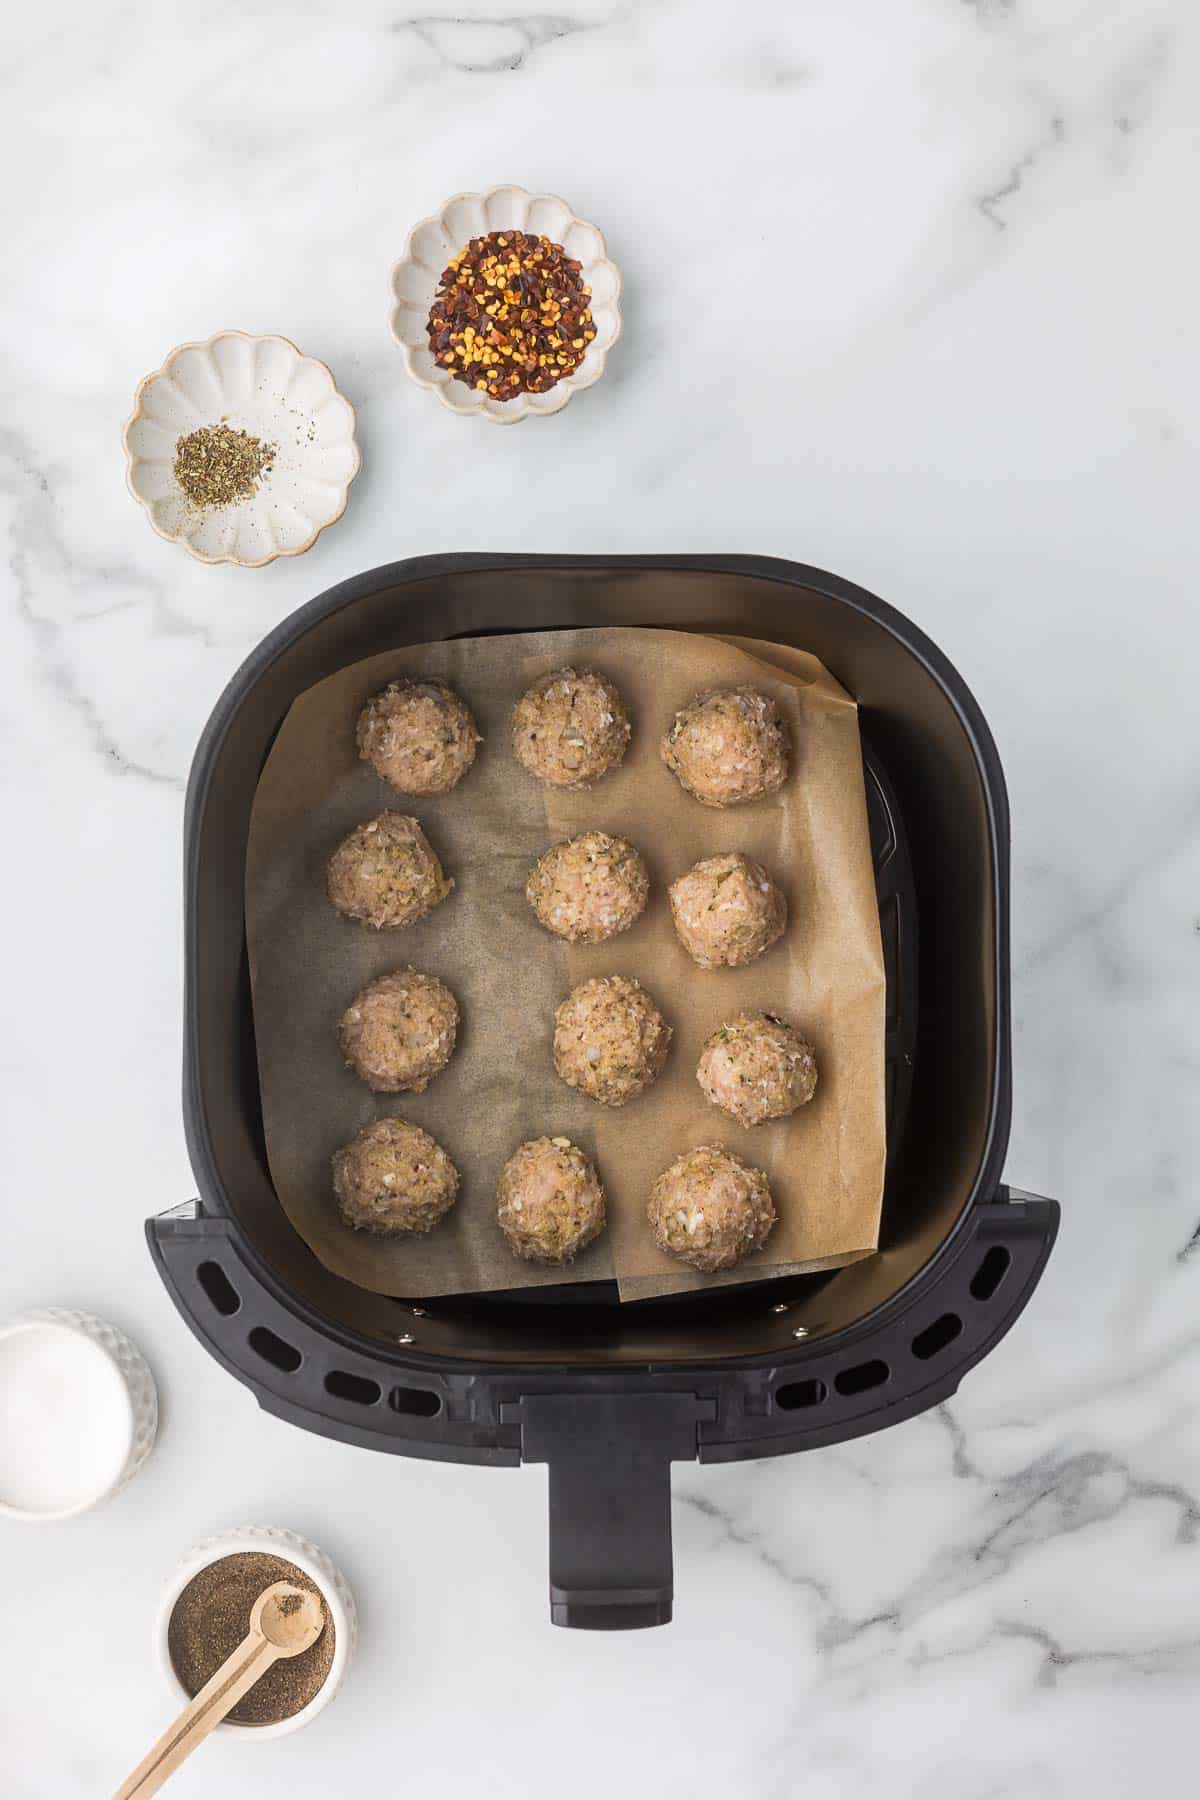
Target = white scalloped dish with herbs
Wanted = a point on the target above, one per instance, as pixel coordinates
(241, 449)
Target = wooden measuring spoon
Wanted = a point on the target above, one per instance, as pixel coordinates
(284, 1620)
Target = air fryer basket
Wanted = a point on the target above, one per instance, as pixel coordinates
(609, 1395)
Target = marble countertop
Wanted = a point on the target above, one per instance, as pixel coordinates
(965, 232)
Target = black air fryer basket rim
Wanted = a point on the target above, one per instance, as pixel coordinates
(346, 594)
(609, 1433)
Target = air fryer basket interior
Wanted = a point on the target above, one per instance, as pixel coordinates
(934, 750)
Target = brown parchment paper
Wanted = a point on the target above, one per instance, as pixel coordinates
(825, 1163)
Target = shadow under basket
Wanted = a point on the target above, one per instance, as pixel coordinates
(609, 1395)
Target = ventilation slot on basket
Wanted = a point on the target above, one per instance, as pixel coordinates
(219, 1288)
(417, 1401)
(935, 1337)
(272, 1349)
(794, 1396)
(359, 1388)
(990, 1273)
(861, 1377)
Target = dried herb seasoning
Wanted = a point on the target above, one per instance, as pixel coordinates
(511, 315)
(212, 1616)
(218, 465)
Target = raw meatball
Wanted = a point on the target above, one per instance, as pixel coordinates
(549, 1201)
(589, 889)
(400, 1031)
(728, 746)
(756, 1067)
(385, 874)
(610, 1040)
(393, 1178)
(727, 911)
(418, 735)
(710, 1208)
(570, 728)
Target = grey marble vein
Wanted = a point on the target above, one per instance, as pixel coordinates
(36, 541)
(1058, 1659)
(991, 203)
(490, 46)
(1191, 1248)
(1052, 1498)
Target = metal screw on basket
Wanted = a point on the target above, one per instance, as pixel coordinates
(418, 1312)
(780, 1307)
(801, 1331)
(406, 1337)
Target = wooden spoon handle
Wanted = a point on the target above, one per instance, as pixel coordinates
(249, 1662)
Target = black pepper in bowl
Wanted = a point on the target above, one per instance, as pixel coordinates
(511, 315)
(212, 1616)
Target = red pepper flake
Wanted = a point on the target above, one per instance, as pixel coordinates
(511, 315)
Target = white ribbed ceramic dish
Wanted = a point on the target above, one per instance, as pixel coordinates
(262, 385)
(433, 242)
(267, 1540)
(78, 1413)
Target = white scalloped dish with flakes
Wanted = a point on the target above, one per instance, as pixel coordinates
(263, 386)
(435, 241)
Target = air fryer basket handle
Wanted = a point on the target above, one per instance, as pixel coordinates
(610, 1459)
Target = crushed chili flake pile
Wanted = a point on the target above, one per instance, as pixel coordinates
(511, 315)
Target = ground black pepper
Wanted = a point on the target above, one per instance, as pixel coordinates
(217, 465)
(212, 1616)
(511, 315)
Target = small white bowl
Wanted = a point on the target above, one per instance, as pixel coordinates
(433, 242)
(262, 385)
(78, 1414)
(267, 1540)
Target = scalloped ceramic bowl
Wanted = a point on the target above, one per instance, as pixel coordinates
(266, 1540)
(78, 1413)
(434, 241)
(262, 385)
